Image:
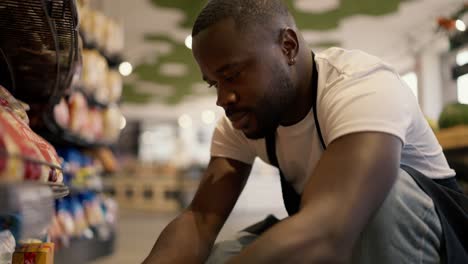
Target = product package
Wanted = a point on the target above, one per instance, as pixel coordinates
(23, 153)
(35, 253)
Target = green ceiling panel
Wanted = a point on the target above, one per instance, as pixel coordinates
(179, 54)
(182, 86)
(331, 19)
(189, 7)
(130, 95)
(314, 21)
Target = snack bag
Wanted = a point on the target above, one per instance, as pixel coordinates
(23, 153)
(64, 217)
(78, 216)
(78, 112)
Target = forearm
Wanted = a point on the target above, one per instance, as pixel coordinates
(184, 240)
(297, 239)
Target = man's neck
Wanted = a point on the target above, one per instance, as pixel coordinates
(301, 107)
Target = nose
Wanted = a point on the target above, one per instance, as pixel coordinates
(226, 97)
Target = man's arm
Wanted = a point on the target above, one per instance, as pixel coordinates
(189, 238)
(350, 182)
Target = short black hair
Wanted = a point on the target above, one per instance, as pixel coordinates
(244, 12)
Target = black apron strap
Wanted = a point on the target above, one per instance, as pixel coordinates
(314, 88)
(291, 198)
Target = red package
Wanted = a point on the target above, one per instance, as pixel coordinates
(23, 153)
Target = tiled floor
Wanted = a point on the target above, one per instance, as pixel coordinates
(137, 231)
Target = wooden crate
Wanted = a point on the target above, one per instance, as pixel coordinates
(160, 194)
(126, 192)
(453, 138)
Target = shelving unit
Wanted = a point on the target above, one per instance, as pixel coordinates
(39, 55)
(85, 250)
(112, 60)
(59, 136)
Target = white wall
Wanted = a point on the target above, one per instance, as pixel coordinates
(430, 70)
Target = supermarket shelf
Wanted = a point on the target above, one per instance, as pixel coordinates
(63, 138)
(59, 190)
(113, 61)
(93, 101)
(78, 190)
(85, 250)
(40, 45)
(60, 137)
(453, 138)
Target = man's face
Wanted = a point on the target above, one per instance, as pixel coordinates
(249, 73)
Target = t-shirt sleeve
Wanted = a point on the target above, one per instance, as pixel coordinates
(227, 142)
(374, 102)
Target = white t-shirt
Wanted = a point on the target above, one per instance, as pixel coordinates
(356, 92)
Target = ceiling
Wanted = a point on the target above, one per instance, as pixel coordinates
(165, 72)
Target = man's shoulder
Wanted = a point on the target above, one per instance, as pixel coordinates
(349, 62)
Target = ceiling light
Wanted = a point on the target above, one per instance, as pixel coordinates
(208, 117)
(462, 58)
(460, 25)
(125, 68)
(123, 122)
(188, 41)
(185, 121)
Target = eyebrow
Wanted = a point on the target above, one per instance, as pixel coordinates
(222, 69)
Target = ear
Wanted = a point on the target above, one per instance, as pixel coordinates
(289, 44)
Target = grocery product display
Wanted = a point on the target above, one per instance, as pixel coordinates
(32, 159)
(101, 33)
(88, 122)
(56, 122)
(86, 214)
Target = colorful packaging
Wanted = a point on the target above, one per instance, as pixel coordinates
(36, 253)
(56, 233)
(114, 86)
(78, 110)
(62, 114)
(112, 119)
(65, 217)
(78, 216)
(23, 153)
(92, 208)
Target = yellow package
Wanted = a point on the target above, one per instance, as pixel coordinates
(37, 253)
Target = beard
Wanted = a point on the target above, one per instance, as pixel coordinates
(278, 98)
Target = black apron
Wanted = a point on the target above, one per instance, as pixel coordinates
(450, 203)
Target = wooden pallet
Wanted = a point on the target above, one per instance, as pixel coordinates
(149, 194)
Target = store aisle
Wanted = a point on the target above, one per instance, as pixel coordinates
(137, 231)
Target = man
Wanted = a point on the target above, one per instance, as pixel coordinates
(356, 204)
